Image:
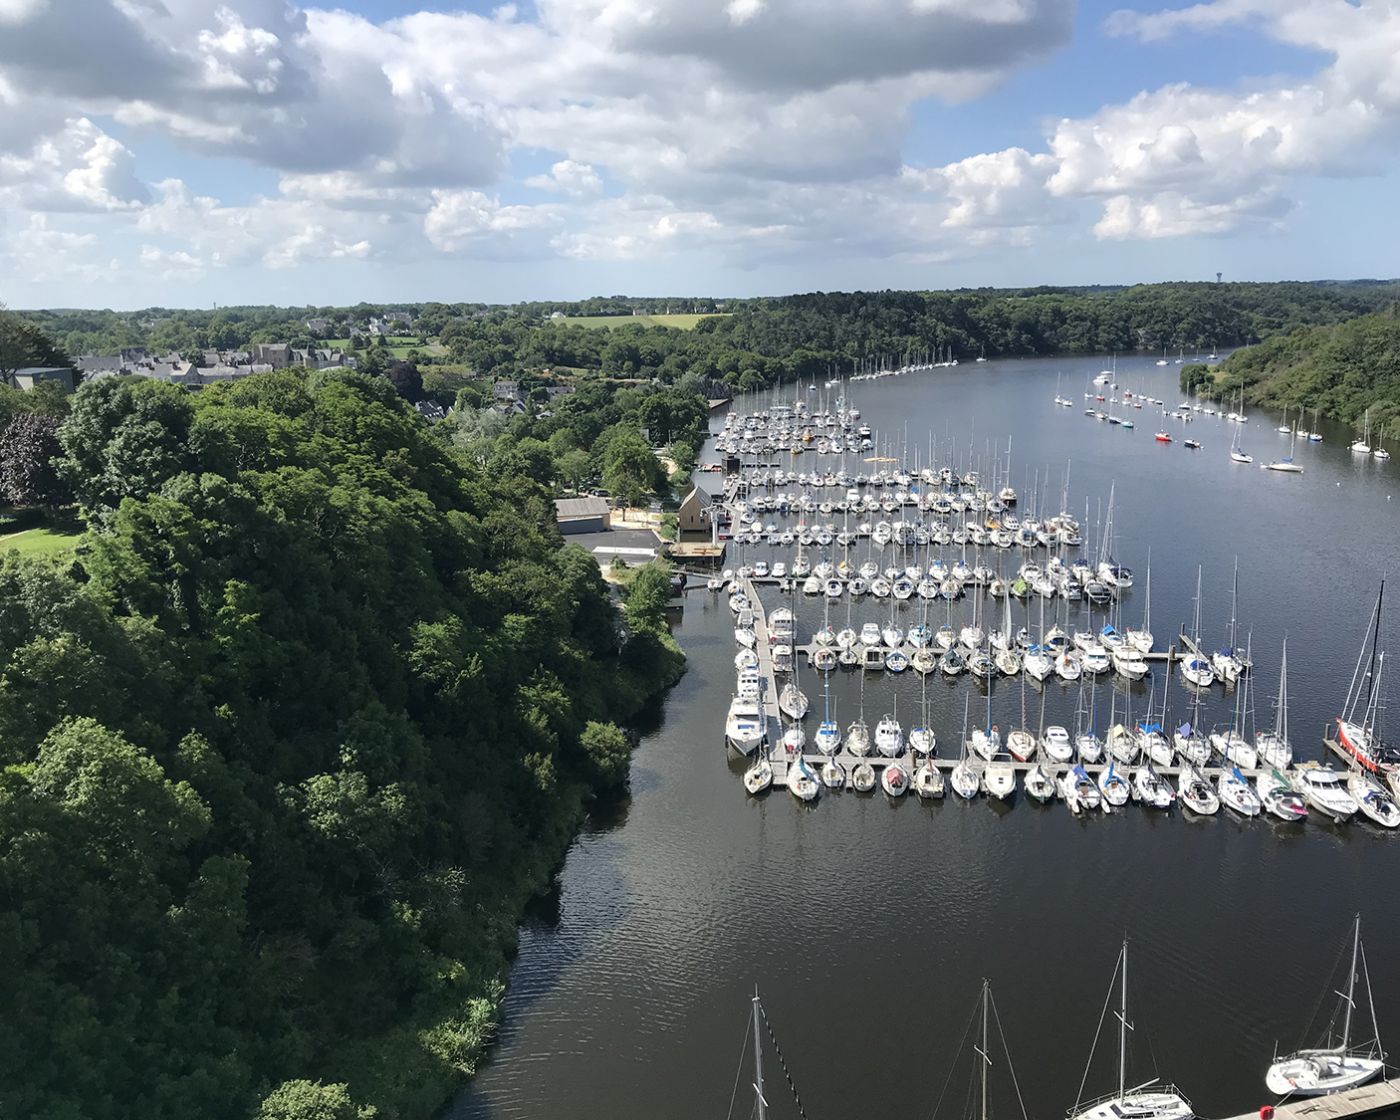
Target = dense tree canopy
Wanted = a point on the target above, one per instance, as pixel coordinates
(287, 740)
(1342, 371)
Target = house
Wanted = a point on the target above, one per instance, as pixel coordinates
(507, 390)
(319, 327)
(431, 411)
(30, 376)
(91, 364)
(695, 511)
(553, 391)
(582, 515)
(277, 355)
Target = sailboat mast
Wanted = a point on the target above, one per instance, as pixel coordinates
(1351, 982)
(760, 1104)
(1122, 1026)
(1375, 644)
(985, 1059)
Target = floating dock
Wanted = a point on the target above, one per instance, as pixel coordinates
(1380, 1096)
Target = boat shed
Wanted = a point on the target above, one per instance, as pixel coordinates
(694, 513)
(582, 515)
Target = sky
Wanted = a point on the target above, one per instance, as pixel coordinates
(184, 153)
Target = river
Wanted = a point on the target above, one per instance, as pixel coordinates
(868, 925)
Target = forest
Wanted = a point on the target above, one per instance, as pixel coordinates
(1343, 370)
(311, 710)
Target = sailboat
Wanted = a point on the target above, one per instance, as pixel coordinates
(1339, 1064)
(1380, 452)
(981, 1057)
(1143, 1102)
(802, 783)
(1358, 731)
(1237, 452)
(1226, 662)
(1286, 464)
(1141, 638)
(966, 778)
(1197, 670)
(1273, 747)
(1363, 445)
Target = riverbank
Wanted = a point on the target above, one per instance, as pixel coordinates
(413, 1070)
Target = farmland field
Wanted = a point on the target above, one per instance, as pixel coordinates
(680, 322)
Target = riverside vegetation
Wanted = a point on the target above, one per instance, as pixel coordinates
(755, 342)
(289, 738)
(1341, 370)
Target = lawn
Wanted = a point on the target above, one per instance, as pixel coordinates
(40, 542)
(398, 346)
(680, 322)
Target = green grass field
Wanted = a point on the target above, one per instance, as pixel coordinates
(398, 346)
(40, 542)
(680, 322)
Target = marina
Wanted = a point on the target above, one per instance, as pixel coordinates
(868, 921)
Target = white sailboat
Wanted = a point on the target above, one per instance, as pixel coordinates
(1363, 445)
(1340, 1064)
(1197, 670)
(1147, 1101)
(1195, 792)
(759, 776)
(1286, 465)
(1237, 452)
(802, 783)
(1273, 747)
(966, 778)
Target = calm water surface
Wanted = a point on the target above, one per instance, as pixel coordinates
(868, 924)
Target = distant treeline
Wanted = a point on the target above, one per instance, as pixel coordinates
(762, 341)
(1341, 370)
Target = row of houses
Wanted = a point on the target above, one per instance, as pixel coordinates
(214, 366)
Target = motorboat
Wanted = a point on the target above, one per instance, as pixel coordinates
(1128, 662)
(1278, 796)
(745, 727)
(1055, 744)
(1326, 792)
(999, 780)
(889, 737)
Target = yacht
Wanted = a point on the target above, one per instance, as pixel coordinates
(889, 737)
(1278, 796)
(1326, 791)
(745, 727)
(1338, 1064)
(1146, 1102)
